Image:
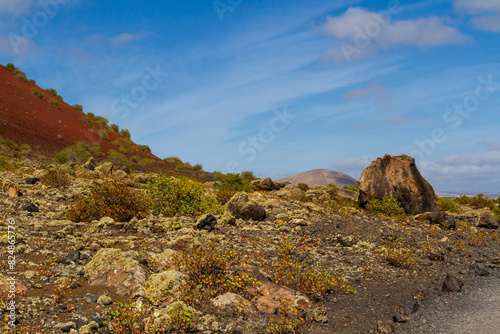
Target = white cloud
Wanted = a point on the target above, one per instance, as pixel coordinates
(364, 31)
(379, 91)
(127, 38)
(15, 7)
(488, 12)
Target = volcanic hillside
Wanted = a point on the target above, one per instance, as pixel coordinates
(321, 177)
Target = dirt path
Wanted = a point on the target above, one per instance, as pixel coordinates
(474, 310)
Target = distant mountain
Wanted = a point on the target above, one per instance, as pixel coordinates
(321, 177)
(453, 194)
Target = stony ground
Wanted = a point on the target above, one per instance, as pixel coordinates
(70, 275)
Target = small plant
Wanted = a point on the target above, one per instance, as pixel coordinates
(78, 153)
(103, 134)
(398, 254)
(352, 188)
(182, 320)
(5, 164)
(198, 167)
(110, 199)
(88, 120)
(118, 159)
(449, 205)
(78, 107)
(289, 321)
(54, 103)
(114, 128)
(132, 320)
(386, 207)
(229, 185)
(55, 178)
(144, 148)
(170, 196)
(124, 145)
(125, 133)
(35, 91)
(102, 121)
(53, 92)
(303, 186)
(33, 81)
(248, 175)
(21, 77)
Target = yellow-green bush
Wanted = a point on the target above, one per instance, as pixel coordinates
(77, 153)
(55, 178)
(229, 185)
(35, 91)
(303, 186)
(449, 205)
(110, 199)
(171, 196)
(54, 103)
(386, 207)
(5, 164)
(118, 159)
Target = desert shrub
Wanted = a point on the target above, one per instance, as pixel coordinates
(229, 185)
(480, 201)
(303, 186)
(144, 148)
(21, 77)
(88, 120)
(352, 188)
(102, 121)
(109, 199)
(127, 318)
(33, 81)
(462, 199)
(331, 185)
(53, 92)
(211, 272)
(10, 144)
(135, 158)
(449, 205)
(146, 162)
(248, 175)
(55, 178)
(54, 103)
(118, 159)
(103, 134)
(77, 153)
(91, 115)
(10, 67)
(114, 128)
(342, 202)
(78, 107)
(35, 91)
(198, 167)
(171, 196)
(124, 145)
(26, 148)
(96, 149)
(173, 160)
(496, 211)
(398, 254)
(5, 164)
(386, 207)
(297, 274)
(125, 133)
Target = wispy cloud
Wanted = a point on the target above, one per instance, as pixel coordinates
(15, 7)
(364, 33)
(487, 11)
(126, 38)
(398, 120)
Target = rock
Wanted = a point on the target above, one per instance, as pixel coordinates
(452, 284)
(256, 184)
(437, 217)
(90, 164)
(119, 174)
(398, 177)
(31, 180)
(228, 219)
(318, 314)
(411, 306)
(112, 267)
(347, 194)
(161, 286)
(90, 299)
(240, 206)
(400, 316)
(487, 220)
(482, 272)
(449, 224)
(267, 184)
(290, 191)
(232, 303)
(104, 169)
(25, 205)
(385, 327)
(65, 327)
(90, 328)
(185, 243)
(206, 222)
(74, 256)
(12, 189)
(164, 260)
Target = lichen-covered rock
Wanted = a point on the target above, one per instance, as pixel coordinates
(231, 303)
(487, 220)
(122, 270)
(267, 184)
(164, 260)
(240, 206)
(161, 286)
(398, 177)
(290, 191)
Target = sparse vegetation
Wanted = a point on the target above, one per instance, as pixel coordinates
(303, 186)
(229, 185)
(53, 92)
(78, 153)
(109, 199)
(352, 188)
(118, 159)
(78, 107)
(54, 103)
(248, 175)
(125, 133)
(386, 207)
(114, 128)
(35, 91)
(449, 205)
(5, 164)
(55, 178)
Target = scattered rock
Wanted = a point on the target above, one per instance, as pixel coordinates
(398, 177)
(318, 314)
(104, 300)
(161, 286)
(385, 327)
(267, 184)
(487, 220)
(90, 298)
(90, 164)
(290, 191)
(119, 174)
(12, 189)
(74, 256)
(411, 306)
(452, 284)
(232, 303)
(65, 327)
(32, 180)
(437, 217)
(482, 272)
(240, 206)
(206, 222)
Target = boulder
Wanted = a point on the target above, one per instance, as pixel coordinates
(232, 303)
(290, 191)
(487, 220)
(398, 177)
(25, 205)
(114, 268)
(206, 222)
(267, 184)
(90, 164)
(160, 287)
(240, 206)
(452, 284)
(12, 189)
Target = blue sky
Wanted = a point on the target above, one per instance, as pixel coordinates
(279, 87)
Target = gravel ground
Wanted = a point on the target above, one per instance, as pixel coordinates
(474, 310)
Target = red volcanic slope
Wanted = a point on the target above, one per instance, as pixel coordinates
(25, 118)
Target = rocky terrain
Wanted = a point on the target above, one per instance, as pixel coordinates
(273, 259)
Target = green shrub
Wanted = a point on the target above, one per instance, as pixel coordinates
(352, 188)
(462, 199)
(198, 167)
(248, 175)
(33, 81)
(21, 77)
(386, 207)
(91, 115)
(125, 133)
(449, 205)
(55, 178)
(54, 103)
(331, 185)
(5, 164)
(229, 185)
(35, 91)
(144, 148)
(102, 121)
(118, 159)
(109, 199)
(103, 134)
(78, 107)
(173, 160)
(127, 318)
(124, 145)
(10, 144)
(479, 202)
(77, 153)
(171, 196)
(114, 128)
(496, 211)
(303, 186)
(10, 67)
(96, 149)
(53, 92)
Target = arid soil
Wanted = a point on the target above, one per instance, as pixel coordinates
(387, 261)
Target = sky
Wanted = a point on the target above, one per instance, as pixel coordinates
(279, 87)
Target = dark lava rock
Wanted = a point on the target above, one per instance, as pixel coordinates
(25, 205)
(240, 206)
(411, 306)
(452, 284)
(487, 220)
(449, 224)
(206, 222)
(437, 217)
(32, 180)
(74, 256)
(482, 272)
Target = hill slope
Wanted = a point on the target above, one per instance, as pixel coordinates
(321, 177)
